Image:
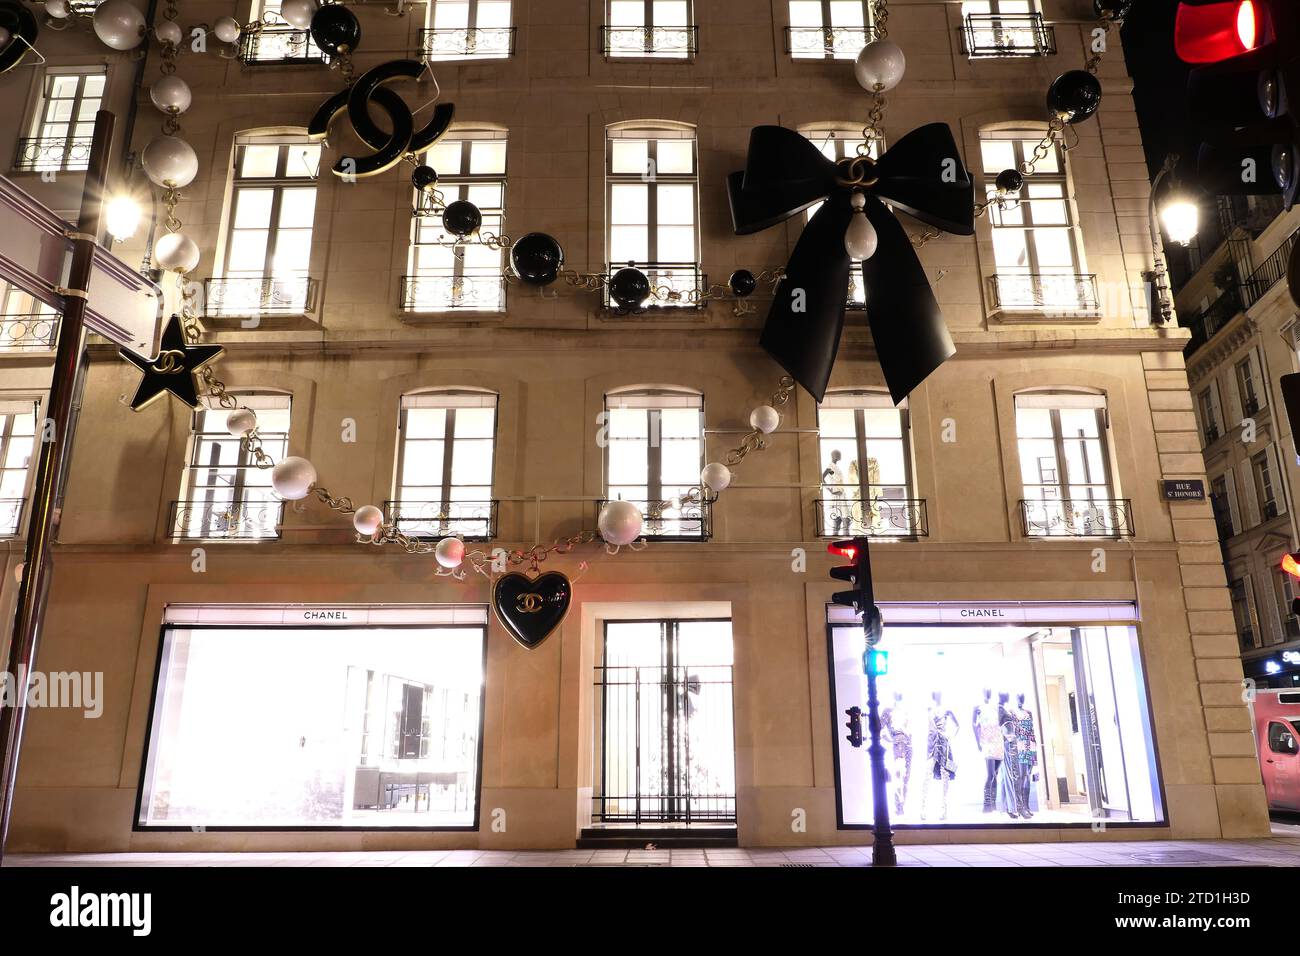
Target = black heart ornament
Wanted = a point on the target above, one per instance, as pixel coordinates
(531, 608)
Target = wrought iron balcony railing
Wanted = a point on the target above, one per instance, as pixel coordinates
(986, 35)
(275, 42)
(471, 520)
(461, 43)
(28, 332)
(52, 154)
(444, 291)
(227, 520)
(1050, 293)
(826, 43)
(657, 42)
(1268, 273)
(11, 516)
(673, 284)
(691, 522)
(876, 516)
(1081, 518)
(258, 295)
(1209, 322)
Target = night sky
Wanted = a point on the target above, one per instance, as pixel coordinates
(1159, 83)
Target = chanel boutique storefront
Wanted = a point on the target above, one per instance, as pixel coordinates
(1001, 715)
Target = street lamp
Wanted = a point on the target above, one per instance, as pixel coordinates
(1180, 216)
(122, 216)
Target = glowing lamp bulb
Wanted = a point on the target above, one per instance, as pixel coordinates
(1180, 217)
(1246, 29)
(860, 238)
(122, 217)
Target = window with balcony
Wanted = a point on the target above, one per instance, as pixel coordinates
(654, 452)
(63, 123)
(652, 222)
(17, 442)
(1207, 404)
(1264, 468)
(649, 29)
(1065, 467)
(268, 230)
(1242, 613)
(467, 30)
(224, 494)
(275, 40)
(1004, 28)
(827, 29)
(1248, 389)
(446, 276)
(1036, 252)
(26, 324)
(1223, 503)
(866, 468)
(838, 143)
(446, 446)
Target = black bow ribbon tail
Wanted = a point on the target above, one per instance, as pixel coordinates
(921, 175)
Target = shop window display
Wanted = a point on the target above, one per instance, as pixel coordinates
(1000, 725)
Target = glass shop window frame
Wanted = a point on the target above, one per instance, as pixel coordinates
(669, 272)
(427, 232)
(449, 401)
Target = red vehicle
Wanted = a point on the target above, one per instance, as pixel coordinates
(1276, 716)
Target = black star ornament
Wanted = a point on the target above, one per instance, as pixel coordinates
(172, 369)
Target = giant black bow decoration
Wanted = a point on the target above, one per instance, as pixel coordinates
(923, 176)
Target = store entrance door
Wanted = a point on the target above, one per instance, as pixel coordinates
(667, 739)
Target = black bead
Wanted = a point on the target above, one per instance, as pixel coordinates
(1009, 181)
(424, 177)
(628, 288)
(742, 282)
(536, 258)
(1074, 96)
(335, 29)
(461, 218)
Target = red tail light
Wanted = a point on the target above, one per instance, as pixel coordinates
(1219, 31)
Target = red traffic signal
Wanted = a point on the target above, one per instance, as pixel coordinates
(1212, 32)
(845, 549)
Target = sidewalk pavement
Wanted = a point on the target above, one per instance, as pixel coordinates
(1283, 849)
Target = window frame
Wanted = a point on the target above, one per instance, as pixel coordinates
(10, 411)
(1266, 484)
(470, 30)
(449, 441)
(40, 120)
(296, 45)
(653, 134)
(1246, 374)
(830, 51)
(1044, 41)
(1245, 586)
(650, 49)
(1211, 409)
(459, 182)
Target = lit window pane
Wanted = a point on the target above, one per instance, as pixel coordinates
(253, 208)
(426, 422)
(260, 161)
(679, 423)
(1054, 248)
(445, 157)
(248, 251)
(805, 13)
(471, 464)
(628, 423)
(998, 154)
(297, 208)
(475, 422)
(487, 156)
(626, 13)
(676, 244)
(847, 13)
(628, 244)
(670, 13)
(628, 204)
(629, 156)
(292, 252)
(676, 205)
(675, 157)
(422, 463)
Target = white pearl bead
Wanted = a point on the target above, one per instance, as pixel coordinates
(765, 418)
(240, 422)
(620, 522)
(880, 64)
(367, 519)
(293, 477)
(716, 476)
(450, 552)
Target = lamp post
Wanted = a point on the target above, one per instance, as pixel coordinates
(1180, 215)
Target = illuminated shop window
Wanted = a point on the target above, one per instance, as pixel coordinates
(1007, 724)
(290, 717)
(446, 444)
(444, 277)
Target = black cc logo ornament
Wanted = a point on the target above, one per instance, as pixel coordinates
(389, 147)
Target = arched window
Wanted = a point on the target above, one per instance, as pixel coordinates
(446, 447)
(1062, 437)
(654, 452)
(652, 219)
(471, 165)
(224, 494)
(268, 228)
(867, 485)
(1036, 250)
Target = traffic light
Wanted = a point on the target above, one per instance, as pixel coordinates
(1241, 92)
(857, 573)
(875, 662)
(1291, 565)
(854, 736)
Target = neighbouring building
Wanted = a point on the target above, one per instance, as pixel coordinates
(1244, 338)
(1061, 630)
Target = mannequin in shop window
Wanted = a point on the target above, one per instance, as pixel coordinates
(898, 726)
(986, 725)
(1021, 758)
(938, 751)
